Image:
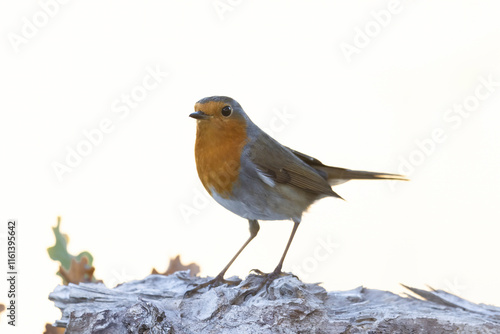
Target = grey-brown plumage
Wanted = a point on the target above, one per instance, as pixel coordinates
(254, 176)
(337, 175)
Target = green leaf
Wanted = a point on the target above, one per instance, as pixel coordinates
(59, 252)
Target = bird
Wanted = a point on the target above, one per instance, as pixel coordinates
(254, 176)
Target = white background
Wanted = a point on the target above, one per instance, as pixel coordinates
(123, 202)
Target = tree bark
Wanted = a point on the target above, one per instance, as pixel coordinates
(158, 304)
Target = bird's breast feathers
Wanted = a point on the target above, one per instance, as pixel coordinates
(218, 155)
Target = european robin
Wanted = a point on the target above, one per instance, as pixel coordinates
(252, 175)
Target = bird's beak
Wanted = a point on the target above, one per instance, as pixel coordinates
(199, 115)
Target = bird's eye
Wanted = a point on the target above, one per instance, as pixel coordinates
(226, 111)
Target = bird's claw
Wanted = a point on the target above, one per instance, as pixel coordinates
(258, 272)
(273, 275)
(217, 281)
(265, 281)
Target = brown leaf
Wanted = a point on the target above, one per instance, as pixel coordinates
(2, 308)
(49, 329)
(78, 272)
(176, 265)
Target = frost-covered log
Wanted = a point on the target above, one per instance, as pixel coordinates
(157, 305)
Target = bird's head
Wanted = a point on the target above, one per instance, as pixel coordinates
(220, 113)
(221, 135)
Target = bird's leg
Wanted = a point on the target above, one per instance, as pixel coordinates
(268, 278)
(254, 229)
(277, 271)
(219, 279)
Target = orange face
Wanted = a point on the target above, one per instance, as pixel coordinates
(212, 108)
(220, 138)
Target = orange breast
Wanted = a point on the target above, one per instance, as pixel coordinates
(218, 148)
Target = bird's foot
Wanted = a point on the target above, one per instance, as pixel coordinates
(217, 281)
(275, 273)
(262, 280)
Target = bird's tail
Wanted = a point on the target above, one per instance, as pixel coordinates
(337, 175)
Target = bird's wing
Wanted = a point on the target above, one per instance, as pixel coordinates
(278, 164)
(336, 175)
(307, 158)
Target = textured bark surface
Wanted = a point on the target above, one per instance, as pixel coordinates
(157, 305)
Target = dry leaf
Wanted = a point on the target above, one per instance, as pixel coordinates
(59, 252)
(49, 329)
(79, 271)
(176, 265)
